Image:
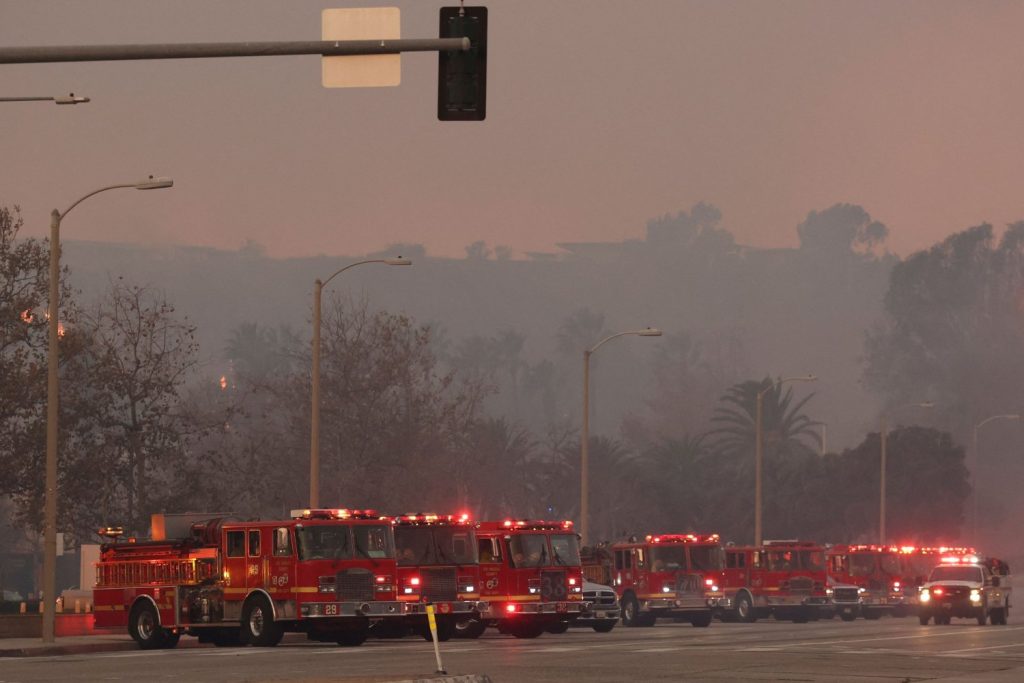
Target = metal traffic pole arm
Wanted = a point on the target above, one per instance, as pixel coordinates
(326, 48)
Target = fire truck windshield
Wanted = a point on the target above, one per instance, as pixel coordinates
(422, 545)
(668, 557)
(528, 550)
(373, 541)
(862, 564)
(564, 550)
(957, 573)
(323, 542)
(890, 564)
(343, 541)
(812, 560)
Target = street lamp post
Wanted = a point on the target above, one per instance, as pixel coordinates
(759, 448)
(52, 357)
(314, 428)
(977, 460)
(585, 432)
(884, 435)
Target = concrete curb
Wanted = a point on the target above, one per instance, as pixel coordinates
(75, 649)
(465, 678)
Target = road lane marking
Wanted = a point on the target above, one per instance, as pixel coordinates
(991, 647)
(958, 633)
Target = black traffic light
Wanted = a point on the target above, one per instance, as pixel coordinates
(462, 75)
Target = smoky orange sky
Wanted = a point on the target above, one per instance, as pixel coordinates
(601, 115)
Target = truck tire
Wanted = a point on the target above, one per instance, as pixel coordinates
(701, 620)
(445, 631)
(527, 630)
(848, 616)
(558, 627)
(470, 628)
(605, 626)
(258, 627)
(745, 609)
(352, 638)
(144, 626)
(998, 616)
(924, 619)
(983, 616)
(630, 611)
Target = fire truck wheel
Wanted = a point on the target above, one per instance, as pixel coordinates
(983, 616)
(526, 630)
(745, 609)
(226, 637)
(470, 628)
(144, 626)
(701, 620)
(258, 627)
(558, 627)
(351, 638)
(604, 626)
(848, 616)
(630, 610)
(999, 616)
(170, 641)
(445, 631)
(924, 619)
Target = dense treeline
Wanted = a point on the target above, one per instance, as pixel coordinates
(412, 420)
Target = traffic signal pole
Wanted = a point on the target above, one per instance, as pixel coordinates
(325, 48)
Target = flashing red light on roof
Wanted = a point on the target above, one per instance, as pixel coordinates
(333, 513)
(683, 538)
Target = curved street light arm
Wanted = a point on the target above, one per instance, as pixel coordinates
(646, 332)
(60, 215)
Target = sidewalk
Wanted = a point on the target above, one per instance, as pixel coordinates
(68, 645)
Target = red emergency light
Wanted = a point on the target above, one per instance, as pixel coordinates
(333, 513)
(682, 538)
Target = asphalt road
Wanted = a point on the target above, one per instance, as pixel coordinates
(885, 650)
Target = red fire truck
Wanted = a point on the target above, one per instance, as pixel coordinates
(784, 579)
(530, 577)
(437, 563)
(865, 580)
(668, 575)
(326, 573)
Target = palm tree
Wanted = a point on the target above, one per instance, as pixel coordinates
(783, 424)
(785, 430)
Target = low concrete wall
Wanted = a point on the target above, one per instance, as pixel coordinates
(31, 625)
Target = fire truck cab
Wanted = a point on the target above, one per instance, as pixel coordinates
(530, 578)
(784, 579)
(669, 576)
(437, 564)
(865, 580)
(326, 573)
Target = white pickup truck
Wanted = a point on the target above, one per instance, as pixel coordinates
(967, 587)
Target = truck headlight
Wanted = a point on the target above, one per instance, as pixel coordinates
(666, 589)
(975, 595)
(925, 596)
